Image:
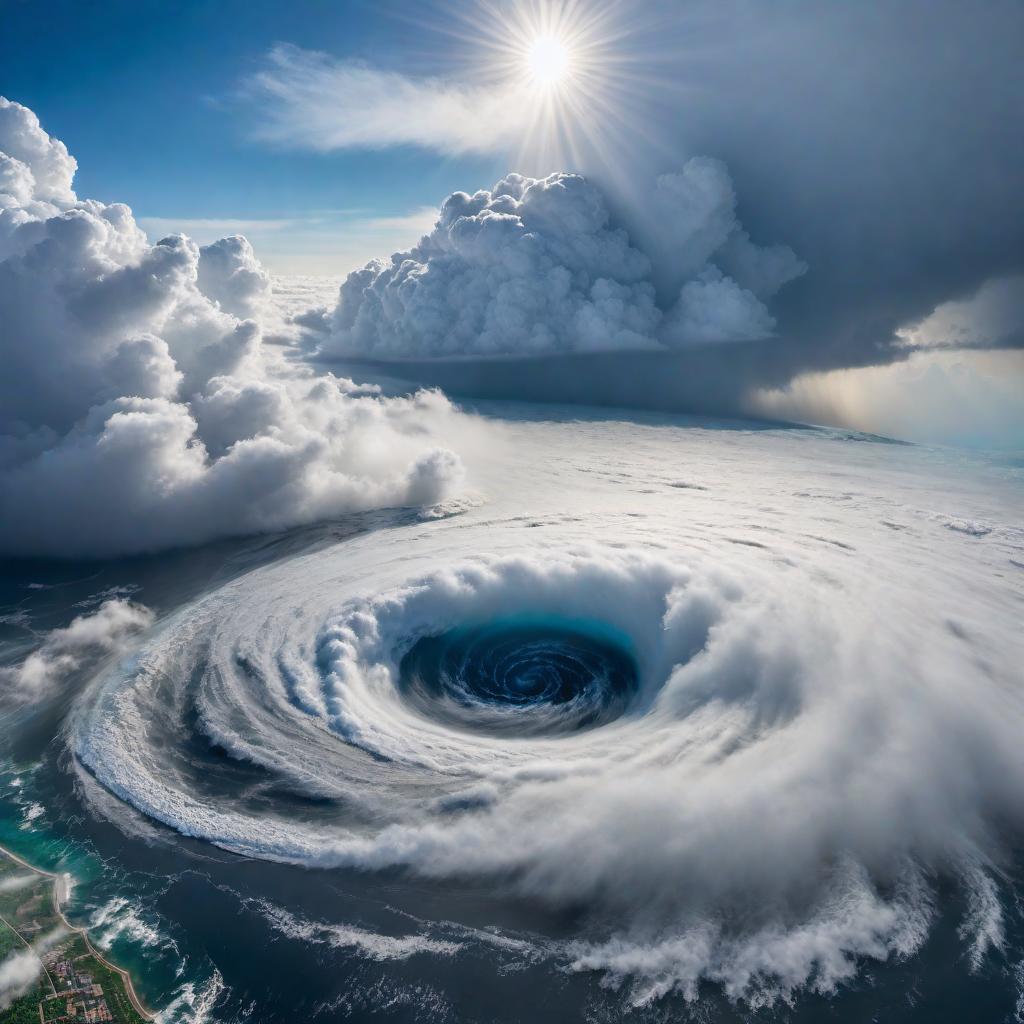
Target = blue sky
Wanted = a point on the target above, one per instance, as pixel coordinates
(145, 96)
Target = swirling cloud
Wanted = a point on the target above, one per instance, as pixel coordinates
(821, 729)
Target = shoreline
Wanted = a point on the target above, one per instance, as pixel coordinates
(59, 893)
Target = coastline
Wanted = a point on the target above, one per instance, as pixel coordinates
(59, 894)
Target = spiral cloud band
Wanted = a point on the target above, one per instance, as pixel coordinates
(753, 733)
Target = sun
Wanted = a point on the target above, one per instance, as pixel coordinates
(573, 78)
(548, 61)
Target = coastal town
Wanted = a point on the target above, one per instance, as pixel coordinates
(66, 980)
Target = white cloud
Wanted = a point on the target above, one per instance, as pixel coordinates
(308, 100)
(528, 267)
(992, 317)
(12, 883)
(826, 723)
(66, 650)
(20, 970)
(714, 308)
(17, 975)
(537, 266)
(231, 276)
(324, 243)
(945, 397)
(118, 354)
(43, 165)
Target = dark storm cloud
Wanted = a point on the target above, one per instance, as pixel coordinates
(882, 141)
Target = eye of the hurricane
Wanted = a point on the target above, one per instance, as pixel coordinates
(520, 678)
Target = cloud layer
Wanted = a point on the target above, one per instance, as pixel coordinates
(539, 266)
(138, 407)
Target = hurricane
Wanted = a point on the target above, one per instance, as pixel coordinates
(511, 512)
(752, 724)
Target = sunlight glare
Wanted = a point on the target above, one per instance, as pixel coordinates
(571, 73)
(547, 61)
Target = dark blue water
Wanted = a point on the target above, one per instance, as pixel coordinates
(521, 677)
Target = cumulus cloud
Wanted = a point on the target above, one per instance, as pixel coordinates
(692, 221)
(537, 266)
(231, 276)
(42, 166)
(713, 307)
(139, 408)
(530, 266)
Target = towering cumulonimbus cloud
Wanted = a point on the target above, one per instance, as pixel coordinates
(880, 141)
(138, 408)
(537, 266)
(702, 254)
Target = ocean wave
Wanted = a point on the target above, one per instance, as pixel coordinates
(372, 945)
(122, 918)
(194, 1003)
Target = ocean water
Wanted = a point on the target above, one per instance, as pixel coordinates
(664, 719)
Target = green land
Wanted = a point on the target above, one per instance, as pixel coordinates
(75, 984)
